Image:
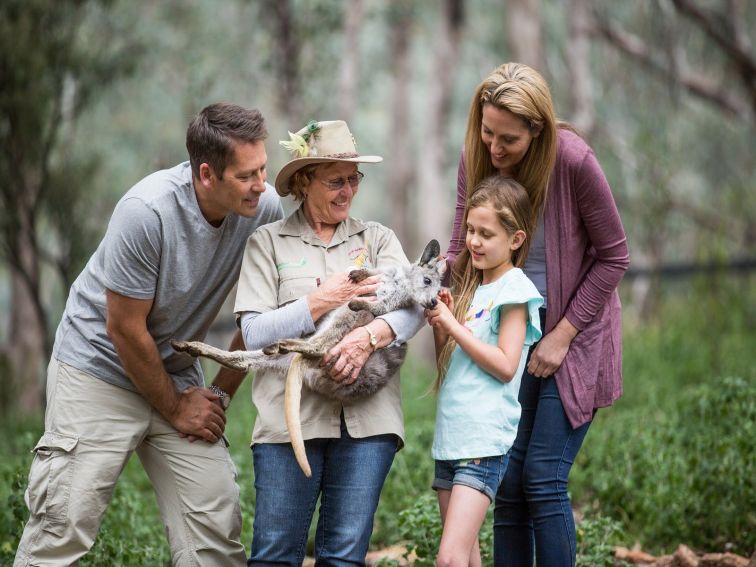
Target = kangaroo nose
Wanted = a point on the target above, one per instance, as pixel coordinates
(433, 303)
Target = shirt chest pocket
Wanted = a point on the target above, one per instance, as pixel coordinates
(291, 289)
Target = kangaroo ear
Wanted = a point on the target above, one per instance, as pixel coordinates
(432, 250)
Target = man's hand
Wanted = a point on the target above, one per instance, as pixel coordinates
(198, 415)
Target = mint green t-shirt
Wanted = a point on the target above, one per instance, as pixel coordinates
(477, 414)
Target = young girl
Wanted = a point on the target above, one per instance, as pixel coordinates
(482, 336)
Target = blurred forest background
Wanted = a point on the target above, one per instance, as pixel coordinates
(96, 94)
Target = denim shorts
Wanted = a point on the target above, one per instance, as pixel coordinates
(483, 474)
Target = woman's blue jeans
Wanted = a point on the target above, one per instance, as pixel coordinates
(347, 474)
(532, 504)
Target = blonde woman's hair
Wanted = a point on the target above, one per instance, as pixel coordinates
(510, 202)
(524, 92)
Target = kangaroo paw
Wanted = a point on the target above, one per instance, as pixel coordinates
(275, 348)
(285, 346)
(358, 275)
(187, 347)
(357, 305)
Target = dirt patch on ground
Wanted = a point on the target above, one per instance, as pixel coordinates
(683, 557)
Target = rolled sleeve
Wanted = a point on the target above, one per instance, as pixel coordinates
(258, 279)
(405, 323)
(290, 321)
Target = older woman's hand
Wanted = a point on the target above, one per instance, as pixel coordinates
(349, 356)
(337, 290)
(351, 353)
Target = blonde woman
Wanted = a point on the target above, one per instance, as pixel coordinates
(577, 258)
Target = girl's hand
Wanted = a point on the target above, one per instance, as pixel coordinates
(549, 353)
(446, 298)
(441, 318)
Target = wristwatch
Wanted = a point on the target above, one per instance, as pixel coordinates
(224, 398)
(373, 338)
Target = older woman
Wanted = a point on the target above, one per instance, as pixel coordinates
(577, 259)
(294, 272)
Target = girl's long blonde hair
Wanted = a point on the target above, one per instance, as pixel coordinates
(522, 91)
(510, 202)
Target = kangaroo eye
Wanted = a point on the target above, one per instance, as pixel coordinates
(426, 280)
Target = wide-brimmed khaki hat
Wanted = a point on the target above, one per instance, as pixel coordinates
(319, 142)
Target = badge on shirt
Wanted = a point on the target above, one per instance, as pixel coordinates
(360, 257)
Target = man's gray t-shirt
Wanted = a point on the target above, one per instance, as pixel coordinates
(158, 246)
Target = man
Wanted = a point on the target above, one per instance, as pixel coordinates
(171, 254)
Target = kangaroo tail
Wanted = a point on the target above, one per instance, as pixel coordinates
(292, 398)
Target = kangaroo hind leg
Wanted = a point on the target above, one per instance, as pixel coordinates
(305, 348)
(234, 360)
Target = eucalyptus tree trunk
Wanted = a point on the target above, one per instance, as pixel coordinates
(350, 58)
(401, 172)
(578, 61)
(286, 50)
(524, 33)
(28, 346)
(435, 191)
(435, 196)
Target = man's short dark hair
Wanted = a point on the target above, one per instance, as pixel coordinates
(212, 134)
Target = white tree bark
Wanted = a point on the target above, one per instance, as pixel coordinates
(434, 201)
(350, 59)
(400, 178)
(286, 52)
(578, 52)
(524, 33)
(27, 345)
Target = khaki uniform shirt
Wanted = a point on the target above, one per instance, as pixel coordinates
(284, 261)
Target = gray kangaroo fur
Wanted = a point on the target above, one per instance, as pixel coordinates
(401, 287)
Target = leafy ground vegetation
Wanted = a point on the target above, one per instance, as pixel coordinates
(673, 462)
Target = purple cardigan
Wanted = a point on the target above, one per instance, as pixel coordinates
(586, 257)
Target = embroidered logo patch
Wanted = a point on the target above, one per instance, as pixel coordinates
(359, 257)
(284, 265)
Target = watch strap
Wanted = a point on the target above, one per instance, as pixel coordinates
(373, 338)
(222, 394)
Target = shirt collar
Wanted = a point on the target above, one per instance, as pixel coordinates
(296, 225)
